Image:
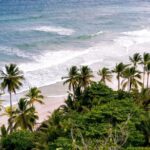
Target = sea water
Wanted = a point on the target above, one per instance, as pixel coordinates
(45, 37)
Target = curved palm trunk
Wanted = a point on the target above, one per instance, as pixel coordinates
(129, 82)
(104, 80)
(24, 122)
(73, 88)
(32, 105)
(10, 101)
(118, 82)
(147, 79)
(11, 113)
(144, 77)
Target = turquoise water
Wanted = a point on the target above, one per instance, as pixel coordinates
(45, 37)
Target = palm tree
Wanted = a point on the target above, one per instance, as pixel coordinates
(119, 68)
(25, 116)
(34, 95)
(145, 60)
(9, 112)
(85, 77)
(132, 78)
(143, 98)
(12, 79)
(72, 78)
(145, 127)
(148, 73)
(105, 75)
(136, 59)
(1, 106)
(4, 131)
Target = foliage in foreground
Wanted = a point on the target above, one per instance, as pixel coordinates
(97, 118)
(19, 140)
(107, 120)
(94, 117)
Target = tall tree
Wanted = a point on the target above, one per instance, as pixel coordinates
(3, 131)
(105, 75)
(85, 76)
(145, 127)
(145, 60)
(1, 106)
(135, 59)
(34, 95)
(72, 78)
(11, 79)
(9, 112)
(119, 68)
(132, 78)
(25, 116)
(148, 73)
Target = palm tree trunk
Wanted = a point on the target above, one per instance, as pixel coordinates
(73, 88)
(24, 123)
(118, 82)
(11, 113)
(11, 106)
(129, 84)
(147, 79)
(143, 77)
(104, 81)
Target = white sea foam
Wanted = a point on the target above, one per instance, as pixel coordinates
(90, 35)
(49, 67)
(139, 33)
(58, 30)
(14, 51)
(97, 33)
(131, 38)
(50, 59)
(88, 63)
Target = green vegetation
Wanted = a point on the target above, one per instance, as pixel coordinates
(18, 140)
(94, 116)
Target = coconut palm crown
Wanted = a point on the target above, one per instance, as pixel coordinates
(34, 95)
(145, 61)
(119, 68)
(72, 78)
(132, 78)
(85, 76)
(105, 75)
(135, 59)
(12, 79)
(25, 116)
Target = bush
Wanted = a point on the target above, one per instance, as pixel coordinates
(138, 148)
(19, 140)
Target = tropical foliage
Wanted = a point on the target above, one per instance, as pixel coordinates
(34, 95)
(24, 117)
(105, 75)
(94, 116)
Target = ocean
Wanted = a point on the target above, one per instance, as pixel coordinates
(45, 37)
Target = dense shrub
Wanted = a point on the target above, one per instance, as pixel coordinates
(109, 114)
(19, 140)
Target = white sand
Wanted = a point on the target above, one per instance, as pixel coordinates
(54, 94)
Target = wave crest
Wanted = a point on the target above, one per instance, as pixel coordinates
(58, 30)
(133, 37)
(14, 51)
(90, 35)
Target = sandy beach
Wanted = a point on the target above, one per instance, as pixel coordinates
(54, 96)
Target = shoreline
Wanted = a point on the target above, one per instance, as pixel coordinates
(54, 96)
